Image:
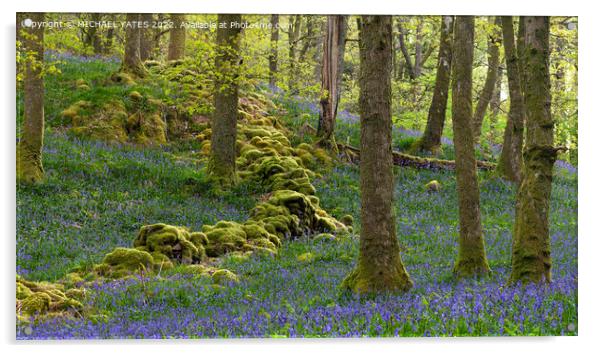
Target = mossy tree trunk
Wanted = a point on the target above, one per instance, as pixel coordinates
(132, 64)
(146, 37)
(493, 63)
(177, 37)
(222, 163)
(31, 142)
(531, 260)
(431, 139)
(510, 163)
(273, 57)
(471, 255)
(379, 266)
(332, 74)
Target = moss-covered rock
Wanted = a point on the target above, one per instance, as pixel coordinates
(433, 186)
(176, 244)
(223, 276)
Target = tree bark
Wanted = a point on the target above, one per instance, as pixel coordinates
(379, 266)
(146, 37)
(408, 65)
(471, 256)
(431, 139)
(510, 163)
(177, 37)
(273, 57)
(132, 63)
(531, 260)
(293, 37)
(222, 163)
(493, 63)
(29, 149)
(332, 65)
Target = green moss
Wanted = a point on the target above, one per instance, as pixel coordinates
(36, 303)
(23, 291)
(124, 260)
(305, 257)
(324, 237)
(224, 276)
(347, 220)
(433, 186)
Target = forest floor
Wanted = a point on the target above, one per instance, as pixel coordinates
(96, 197)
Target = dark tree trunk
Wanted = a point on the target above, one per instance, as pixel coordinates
(177, 37)
(273, 58)
(379, 267)
(332, 65)
(222, 164)
(493, 63)
(511, 160)
(408, 64)
(531, 260)
(418, 56)
(131, 58)
(520, 50)
(471, 255)
(29, 149)
(431, 139)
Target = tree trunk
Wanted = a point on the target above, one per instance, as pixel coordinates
(273, 57)
(520, 50)
(531, 260)
(471, 256)
(408, 65)
(418, 57)
(494, 104)
(493, 63)
(332, 65)
(293, 37)
(379, 266)
(431, 139)
(131, 59)
(29, 149)
(177, 37)
(511, 160)
(146, 37)
(222, 164)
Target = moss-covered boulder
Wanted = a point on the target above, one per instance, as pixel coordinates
(43, 299)
(176, 244)
(432, 186)
(223, 276)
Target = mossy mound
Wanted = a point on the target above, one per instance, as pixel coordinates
(112, 123)
(40, 299)
(433, 186)
(177, 244)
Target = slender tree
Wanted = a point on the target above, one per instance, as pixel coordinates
(531, 260)
(273, 57)
(332, 74)
(177, 37)
(493, 63)
(471, 255)
(132, 63)
(431, 139)
(379, 266)
(222, 163)
(146, 36)
(31, 141)
(293, 37)
(511, 160)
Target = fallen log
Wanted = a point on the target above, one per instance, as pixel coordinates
(406, 160)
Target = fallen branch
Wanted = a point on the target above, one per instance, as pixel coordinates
(406, 160)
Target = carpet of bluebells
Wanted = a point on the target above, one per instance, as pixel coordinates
(97, 196)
